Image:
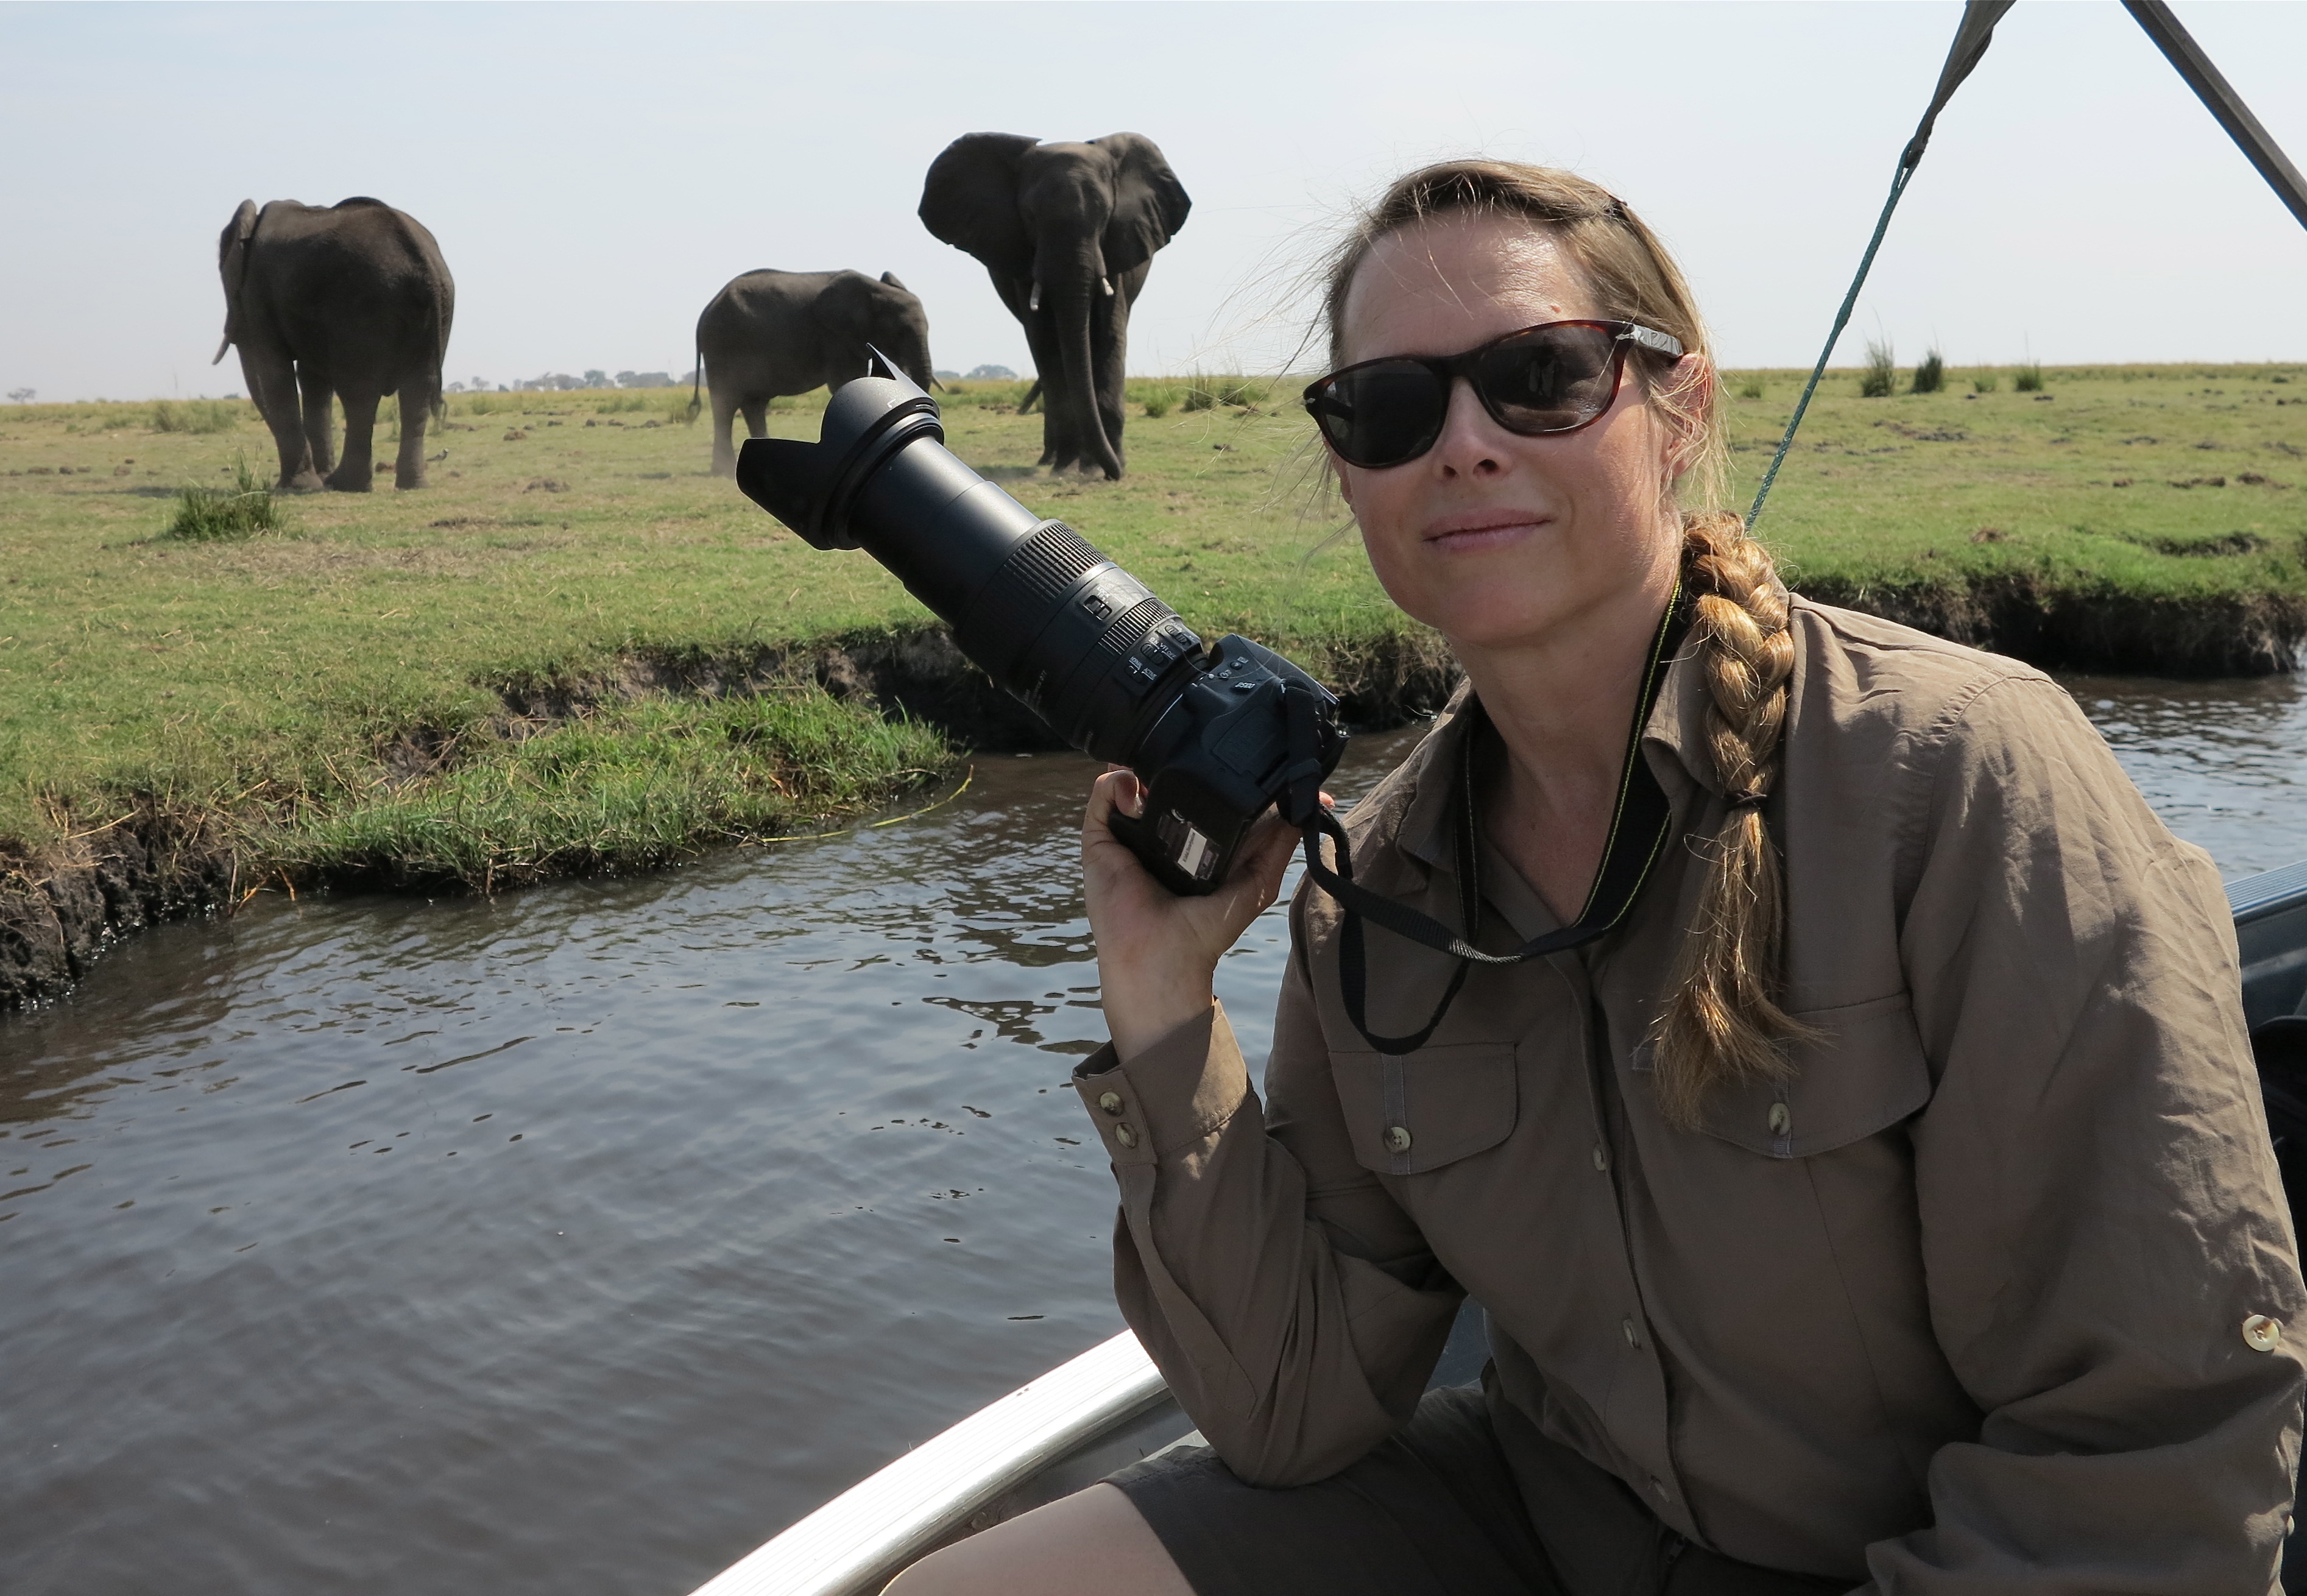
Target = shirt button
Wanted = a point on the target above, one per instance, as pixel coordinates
(1633, 1336)
(1110, 1103)
(1397, 1138)
(1601, 1158)
(1779, 1119)
(2261, 1333)
(1125, 1136)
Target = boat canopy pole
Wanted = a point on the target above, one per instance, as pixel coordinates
(2215, 92)
(1970, 41)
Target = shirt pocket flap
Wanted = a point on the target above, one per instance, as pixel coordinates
(1861, 1072)
(1410, 1114)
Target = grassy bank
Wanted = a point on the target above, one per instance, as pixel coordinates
(577, 649)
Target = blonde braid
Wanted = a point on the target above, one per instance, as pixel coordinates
(1723, 1023)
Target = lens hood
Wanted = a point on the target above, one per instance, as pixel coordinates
(811, 487)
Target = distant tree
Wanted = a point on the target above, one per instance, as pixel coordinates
(597, 380)
(23, 396)
(991, 373)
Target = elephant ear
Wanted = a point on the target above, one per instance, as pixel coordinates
(1149, 202)
(970, 200)
(843, 313)
(232, 262)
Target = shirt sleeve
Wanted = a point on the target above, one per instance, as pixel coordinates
(1294, 1309)
(2111, 1268)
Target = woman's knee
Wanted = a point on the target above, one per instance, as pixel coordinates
(1092, 1541)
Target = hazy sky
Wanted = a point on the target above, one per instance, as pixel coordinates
(594, 172)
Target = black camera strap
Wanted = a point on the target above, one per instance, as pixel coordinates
(1638, 832)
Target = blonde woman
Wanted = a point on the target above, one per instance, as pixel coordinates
(1864, 1174)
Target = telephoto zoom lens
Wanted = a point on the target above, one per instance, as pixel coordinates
(1085, 644)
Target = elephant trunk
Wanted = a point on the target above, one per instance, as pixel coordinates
(1077, 385)
(1072, 280)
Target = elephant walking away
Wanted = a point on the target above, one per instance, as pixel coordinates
(352, 302)
(1067, 233)
(769, 334)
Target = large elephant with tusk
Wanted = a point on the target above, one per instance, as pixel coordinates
(350, 302)
(1067, 232)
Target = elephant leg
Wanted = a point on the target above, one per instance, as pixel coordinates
(272, 384)
(757, 418)
(354, 474)
(320, 419)
(415, 409)
(1058, 449)
(724, 412)
(1109, 356)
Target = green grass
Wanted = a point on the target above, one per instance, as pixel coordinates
(2028, 378)
(1930, 377)
(209, 515)
(1880, 379)
(1985, 380)
(347, 695)
(201, 416)
(627, 785)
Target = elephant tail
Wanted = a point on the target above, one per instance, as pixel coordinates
(440, 313)
(697, 381)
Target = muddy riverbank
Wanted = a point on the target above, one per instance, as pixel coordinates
(63, 907)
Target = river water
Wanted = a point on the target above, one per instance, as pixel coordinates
(578, 1240)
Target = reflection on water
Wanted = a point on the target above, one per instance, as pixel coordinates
(581, 1240)
(2225, 763)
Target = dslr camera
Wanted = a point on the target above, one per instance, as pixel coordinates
(1218, 733)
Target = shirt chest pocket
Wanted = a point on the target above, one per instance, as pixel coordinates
(1861, 1072)
(1411, 1114)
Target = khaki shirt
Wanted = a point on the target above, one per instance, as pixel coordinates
(1959, 1307)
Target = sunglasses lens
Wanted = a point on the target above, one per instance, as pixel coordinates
(1550, 379)
(1381, 415)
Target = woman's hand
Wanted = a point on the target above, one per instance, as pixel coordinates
(1157, 953)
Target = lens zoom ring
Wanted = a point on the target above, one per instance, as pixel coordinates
(1012, 608)
(1046, 565)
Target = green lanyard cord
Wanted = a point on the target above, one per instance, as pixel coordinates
(1842, 320)
(1971, 38)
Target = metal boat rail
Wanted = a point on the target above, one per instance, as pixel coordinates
(859, 1540)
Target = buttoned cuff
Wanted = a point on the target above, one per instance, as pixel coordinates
(1189, 1082)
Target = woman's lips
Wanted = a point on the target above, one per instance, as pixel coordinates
(1483, 532)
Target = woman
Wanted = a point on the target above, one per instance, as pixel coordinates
(1876, 1195)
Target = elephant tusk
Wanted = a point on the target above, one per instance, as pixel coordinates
(1033, 300)
(222, 347)
(1107, 284)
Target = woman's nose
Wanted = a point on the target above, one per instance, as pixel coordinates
(1468, 443)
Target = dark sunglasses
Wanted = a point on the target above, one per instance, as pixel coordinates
(1555, 377)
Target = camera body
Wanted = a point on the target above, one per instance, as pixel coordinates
(1218, 734)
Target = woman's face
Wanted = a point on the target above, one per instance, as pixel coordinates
(1493, 539)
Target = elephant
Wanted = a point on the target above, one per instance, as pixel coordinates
(1067, 233)
(768, 333)
(352, 301)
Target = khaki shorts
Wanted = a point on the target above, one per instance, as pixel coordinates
(1434, 1511)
